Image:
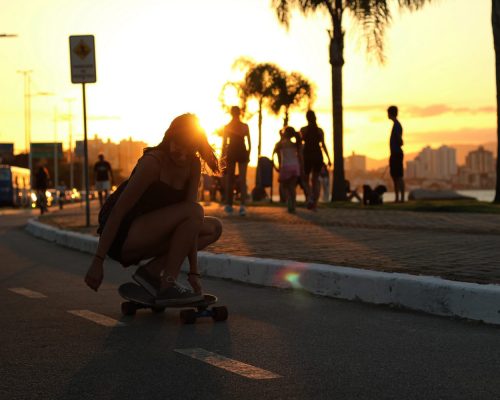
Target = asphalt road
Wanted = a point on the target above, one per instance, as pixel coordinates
(307, 347)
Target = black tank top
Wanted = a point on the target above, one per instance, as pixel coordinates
(158, 195)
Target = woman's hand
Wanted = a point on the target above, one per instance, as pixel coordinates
(95, 274)
(195, 282)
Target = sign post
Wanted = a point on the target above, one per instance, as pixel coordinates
(83, 70)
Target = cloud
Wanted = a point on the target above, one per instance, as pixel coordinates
(414, 110)
(439, 109)
(464, 135)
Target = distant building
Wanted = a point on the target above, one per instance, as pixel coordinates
(479, 171)
(122, 156)
(129, 153)
(355, 163)
(431, 163)
(6, 150)
(480, 161)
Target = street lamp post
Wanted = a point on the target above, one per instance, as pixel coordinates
(56, 163)
(70, 154)
(27, 115)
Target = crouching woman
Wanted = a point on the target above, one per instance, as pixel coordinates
(157, 216)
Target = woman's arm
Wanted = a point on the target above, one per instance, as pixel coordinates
(192, 195)
(247, 135)
(277, 152)
(147, 171)
(323, 145)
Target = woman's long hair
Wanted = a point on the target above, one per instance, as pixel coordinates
(186, 130)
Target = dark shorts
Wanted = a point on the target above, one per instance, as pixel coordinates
(237, 154)
(396, 165)
(313, 164)
(115, 251)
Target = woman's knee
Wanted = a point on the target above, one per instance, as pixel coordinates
(216, 226)
(196, 214)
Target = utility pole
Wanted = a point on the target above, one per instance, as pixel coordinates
(27, 116)
(70, 153)
(56, 163)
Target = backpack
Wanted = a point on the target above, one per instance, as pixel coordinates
(110, 202)
(108, 205)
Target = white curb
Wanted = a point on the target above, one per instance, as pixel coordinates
(428, 294)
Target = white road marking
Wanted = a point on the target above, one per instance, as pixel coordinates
(28, 293)
(237, 367)
(97, 318)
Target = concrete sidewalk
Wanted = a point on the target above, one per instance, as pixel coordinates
(399, 258)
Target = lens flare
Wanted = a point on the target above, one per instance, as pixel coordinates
(294, 279)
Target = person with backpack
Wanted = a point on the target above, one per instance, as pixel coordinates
(155, 215)
(290, 165)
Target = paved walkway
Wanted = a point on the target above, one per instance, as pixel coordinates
(457, 246)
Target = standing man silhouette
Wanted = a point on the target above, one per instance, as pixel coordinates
(236, 151)
(102, 176)
(396, 158)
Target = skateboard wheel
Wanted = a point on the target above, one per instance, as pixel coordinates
(128, 308)
(188, 316)
(158, 309)
(219, 313)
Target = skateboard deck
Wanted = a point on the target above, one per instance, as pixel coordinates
(137, 297)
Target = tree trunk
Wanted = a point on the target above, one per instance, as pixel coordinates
(285, 120)
(259, 147)
(495, 19)
(337, 62)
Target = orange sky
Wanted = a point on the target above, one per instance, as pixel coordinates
(159, 58)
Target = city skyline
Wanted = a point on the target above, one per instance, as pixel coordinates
(138, 67)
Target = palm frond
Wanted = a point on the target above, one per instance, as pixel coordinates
(412, 5)
(283, 7)
(372, 17)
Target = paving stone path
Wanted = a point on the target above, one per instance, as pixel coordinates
(458, 246)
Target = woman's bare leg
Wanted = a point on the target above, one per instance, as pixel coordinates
(315, 186)
(150, 233)
(242, 171)
(230, 170)
(210, 232)
(181, 243)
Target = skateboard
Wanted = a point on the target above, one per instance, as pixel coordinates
(137, 298)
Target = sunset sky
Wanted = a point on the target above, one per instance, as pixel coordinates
(159, 58)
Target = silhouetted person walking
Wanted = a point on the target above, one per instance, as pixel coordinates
(314, 145)
(396, 158)
(103, 176)
(235, 151)
(42, 178)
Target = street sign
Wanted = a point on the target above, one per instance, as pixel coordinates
(82, 58)
(6, 149)
(47, 150)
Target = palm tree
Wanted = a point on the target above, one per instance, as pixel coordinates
(495, 21)
(294, 91)
(261, 83)
(373, 16)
